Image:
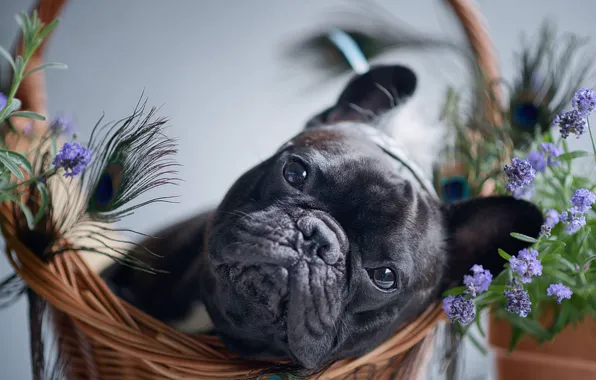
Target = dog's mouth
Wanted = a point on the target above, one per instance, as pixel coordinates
(288, 274)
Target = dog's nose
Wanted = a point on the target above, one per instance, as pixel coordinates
(320, 240)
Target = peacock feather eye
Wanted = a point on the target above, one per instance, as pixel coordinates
(107, 188)
(452, 182)
(525, 116)
(455, 188)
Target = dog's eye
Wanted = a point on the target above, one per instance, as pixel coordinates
(383, 278)
(295, 173)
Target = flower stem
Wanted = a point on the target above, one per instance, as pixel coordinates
(34, 179)
(591, 138)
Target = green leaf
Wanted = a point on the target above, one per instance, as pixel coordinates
(18, 159)
(554, 242)
(516, 335)
(5, 195)
(4, 177)
(10, 165)
(562, 316)
(18, 65)
(567, 263)
(29, 114)
(21, 19)
(479, 325)
(26, 211)
(8, 56)
(454, 291)
(43, 193)
(522, 237)
(16, 104)
(504, 254)
(478, 345)
(48, 28)
(589, 260)
(49, 65)
(531, 327)
(572, 155)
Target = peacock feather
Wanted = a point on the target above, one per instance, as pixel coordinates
(551, 68)
(130, 157)
(353, 37)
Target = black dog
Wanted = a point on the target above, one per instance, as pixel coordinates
(323, 250)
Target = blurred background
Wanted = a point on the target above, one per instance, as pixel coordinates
(216, 70)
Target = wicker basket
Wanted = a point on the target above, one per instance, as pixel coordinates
(105, 338)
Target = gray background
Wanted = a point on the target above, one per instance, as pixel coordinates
(215, 68)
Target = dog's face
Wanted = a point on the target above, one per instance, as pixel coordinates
(323, 250)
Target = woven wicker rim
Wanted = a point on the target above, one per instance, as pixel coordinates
(71, 287)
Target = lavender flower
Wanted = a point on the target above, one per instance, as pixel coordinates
(520, 173)
(73, 157)
(582, 200)
(459, 308)
(570, 122)
(3, 101)
(526, 264)
(551, 219)
(518, 300)
(584, 100)
(62, 125)
(479, 282)
(537, 160)
(551, 151)
(560, 291)
(525, 192)
(575, 221)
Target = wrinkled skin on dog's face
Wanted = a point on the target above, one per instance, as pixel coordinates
(323, 250)
(322, 237)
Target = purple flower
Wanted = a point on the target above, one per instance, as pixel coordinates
(537, 160)
(575, 221)
(570, 122)
(518, 300)
(551, 151)
(545, 231)
(520, 173)
(62, 125)
(479, 282)
(584, 100)
(582, 200)
(544, 156)
(551, 218)
(560, 291)
(459, 308)
(73, 157)
(525, 192)
(3, 101)
(526, 264)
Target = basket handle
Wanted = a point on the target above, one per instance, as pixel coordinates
(483, 50)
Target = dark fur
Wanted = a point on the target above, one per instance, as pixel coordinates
(285, 273)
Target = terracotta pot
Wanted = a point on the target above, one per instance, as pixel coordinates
(571, 355)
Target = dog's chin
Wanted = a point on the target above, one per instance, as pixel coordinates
(281, 280)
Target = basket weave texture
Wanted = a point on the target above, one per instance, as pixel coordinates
(105, 338)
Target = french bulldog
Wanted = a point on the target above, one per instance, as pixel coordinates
(323, 250)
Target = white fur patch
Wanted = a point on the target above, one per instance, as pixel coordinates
(418, 130)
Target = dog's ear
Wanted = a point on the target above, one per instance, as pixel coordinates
(478, 227)
(369, 95)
